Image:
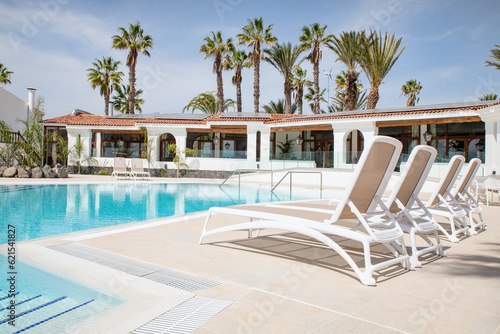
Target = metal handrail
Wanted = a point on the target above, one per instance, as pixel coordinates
(298, 172)
(246, 170)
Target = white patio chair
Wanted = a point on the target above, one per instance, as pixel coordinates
(489, 184)
(361, 201)
(442, 203)
(466, 200)
(120, 168)
(137, 170)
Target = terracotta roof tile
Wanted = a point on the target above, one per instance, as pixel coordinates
(91, 120)
(96, 120)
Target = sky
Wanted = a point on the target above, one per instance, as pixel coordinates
(50, 44)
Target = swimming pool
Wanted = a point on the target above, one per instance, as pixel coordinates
(46, 303)
(45, 210)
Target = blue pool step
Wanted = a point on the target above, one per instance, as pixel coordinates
(3, 298)
(39, 314)
(22, 302)
(52, 317)
(34, 309)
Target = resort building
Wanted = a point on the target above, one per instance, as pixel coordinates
(230, 141)
(13, 108)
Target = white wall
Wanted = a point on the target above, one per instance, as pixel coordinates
(12, 108)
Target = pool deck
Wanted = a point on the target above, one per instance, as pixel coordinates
(280, 283)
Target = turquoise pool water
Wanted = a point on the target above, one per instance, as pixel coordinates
(46, 303)
(45, 210)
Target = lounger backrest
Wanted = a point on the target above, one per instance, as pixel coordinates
(120, 165)
(412, 178)
(448, 179)
(371, 176)
(468, 176)
(137, 165)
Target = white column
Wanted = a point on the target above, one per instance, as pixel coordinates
(339, 147)
(491, 119)
(85, 137)
(265, 148)
(98, 144)
(340, 133)
(252, 146)
(154, 141)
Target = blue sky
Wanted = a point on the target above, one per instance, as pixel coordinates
(49, 44)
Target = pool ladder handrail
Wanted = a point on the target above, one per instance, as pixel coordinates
(299, 172)
(239, 170)
(272, 176)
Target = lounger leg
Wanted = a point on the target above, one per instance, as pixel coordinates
(204, 228)
(440, 250)
(414, 262)
(472, 224)
(451, 237)
(366, 276)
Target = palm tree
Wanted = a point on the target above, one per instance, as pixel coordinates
(278, 107)
(254, 35)
(311, 98)
(411, 89)
(105, 75)
(339, 101)
(237, 62)
(120, 100)
(488, 97)
(348, 47)
(378, 56)
(298, 82)
(207, 103)
(135, 41)
(216, 48)
(341, 81)
(5, 75)
(313, 37)
(284, 57)
(494, 55)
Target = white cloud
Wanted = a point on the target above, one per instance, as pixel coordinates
(444, 35)
(447, 72)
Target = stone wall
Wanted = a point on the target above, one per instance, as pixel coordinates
(158, 172)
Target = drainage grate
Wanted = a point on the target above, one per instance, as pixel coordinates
(184, 318)
(170, 277)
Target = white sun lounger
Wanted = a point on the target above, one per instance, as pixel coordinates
(403, 202)
(137, 170)
(443, 203)
(409, 210)
(120, 168)
(466, 200)
(361, 201)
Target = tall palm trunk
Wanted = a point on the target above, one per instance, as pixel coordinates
(411, 100)
(238, 94)
(372, 98)
(131, 94)
(351, 90)
(288, 97)
(106, 102)
(299, 104)
(256, 88)
(316, 85)
(220, 91)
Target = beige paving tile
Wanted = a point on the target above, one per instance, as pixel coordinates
(258, 312)
(426, 315)
(203, 330)
(352, 325)
(461, 289)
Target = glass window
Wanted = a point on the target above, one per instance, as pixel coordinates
(126, 145)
